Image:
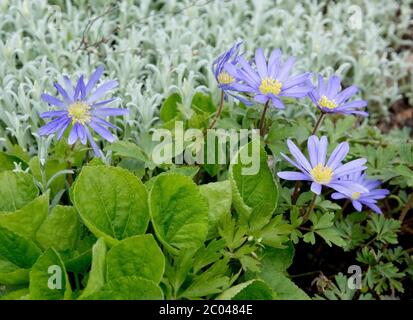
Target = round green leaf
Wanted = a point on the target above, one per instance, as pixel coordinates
(112, 202)
(48, 278)
(179, 213)
(136, 256)
(128, 288)
(16, 190)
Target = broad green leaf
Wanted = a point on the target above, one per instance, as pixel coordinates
(19, 294)
(136, 256)
(202, 103)
(16, 190)
(179, 213)
(48, 278)
(112, 202)
(60, 230)
(97, 272)
(79, 259)
(27, 220)
(250, 290)
(7, 161)
(128, 288)
(12, 274)
(169, 109)
(219, 198)
(18, 250)
(284, 288)
(127, 149)
(254, 196)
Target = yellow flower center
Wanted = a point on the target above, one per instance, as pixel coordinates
(322, 174)
(327, 103)
(355, 195)
(225, 78)
(79, 112)
(269, 85)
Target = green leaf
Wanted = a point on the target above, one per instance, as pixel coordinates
(16, 190)
(136, 256)
(202, 103)
(10, 274)
(27, 220)
(128, 288)
(384, 229)
(7, 161)
(112, 202)
(60, 230)
(277, 259)
(19, 294)
(219, 198)
(250, 290)
(169, 109)
(323, 225)
(127, 149)
(330, 236)
(18, 250)
(48, 278)
(284, 288)
(97, 276)
(255, 196)
(211, 281)
(52, 166)
(179, 213)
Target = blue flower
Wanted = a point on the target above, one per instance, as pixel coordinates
(226, 82)
(368, 198)
(81, 110)
(268, 81)
(321, 172)
(328, 97)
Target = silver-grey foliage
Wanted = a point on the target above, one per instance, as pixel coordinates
(155, 48)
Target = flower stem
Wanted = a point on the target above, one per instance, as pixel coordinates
(261, 125)
(69, 166)
(406, 208)
(318, 123)
(310, 209)
(219, 111)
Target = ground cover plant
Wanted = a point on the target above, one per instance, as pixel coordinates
(206, 150)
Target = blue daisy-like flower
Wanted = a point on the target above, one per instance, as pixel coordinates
(321, 172)
(81, 110)
(368, 198)
(226, 82)
(329, 98)
(269, 81)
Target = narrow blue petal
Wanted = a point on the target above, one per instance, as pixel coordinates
(73, 134)
(291, 175)
(261, 63)
(102, 90)
(107, 112)
(338, 155)
(103, 132)
(316, 188)
(94, 78)
(52, 100)
(333, 87)
(274, 63)
(53, 114)
(96, 150)
(63, 93)
(285, 69)
(298, 155)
